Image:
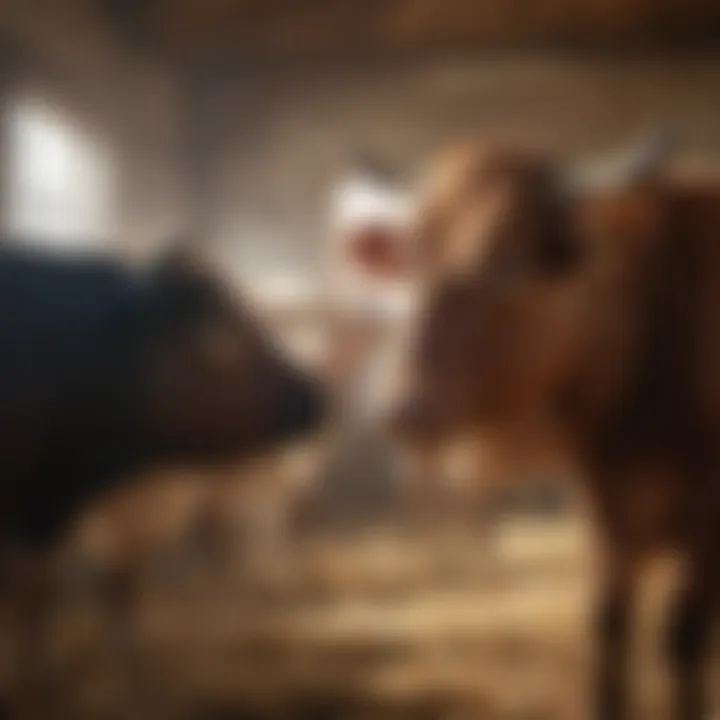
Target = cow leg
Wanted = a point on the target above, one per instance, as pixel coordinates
(688, 646)
(34, 607)
(693, 618)
(613, 638)
(692, 621)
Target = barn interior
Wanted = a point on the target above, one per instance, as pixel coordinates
(302, 585)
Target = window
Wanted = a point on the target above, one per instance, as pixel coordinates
(61, 183)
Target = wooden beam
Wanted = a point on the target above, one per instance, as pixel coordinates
(263, 28)
(129, 20)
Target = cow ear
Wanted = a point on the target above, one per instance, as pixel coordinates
(179, 256)
(380, 250)
(180, 262)
(180, 278)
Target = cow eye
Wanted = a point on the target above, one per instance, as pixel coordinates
(557, 249)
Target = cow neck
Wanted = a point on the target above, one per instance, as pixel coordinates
(652, 412)
(112, 390)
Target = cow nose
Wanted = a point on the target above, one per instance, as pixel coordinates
(306, 407)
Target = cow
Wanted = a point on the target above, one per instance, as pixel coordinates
(445, 489)
(107, 369)
(579, 302)
(365, 336)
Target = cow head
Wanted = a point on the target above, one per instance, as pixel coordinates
(503, 266)
(216, 384)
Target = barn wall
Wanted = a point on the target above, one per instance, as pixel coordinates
(289, 134)
(69, 53)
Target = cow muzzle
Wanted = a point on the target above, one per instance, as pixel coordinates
(414, 424)
(305, 406)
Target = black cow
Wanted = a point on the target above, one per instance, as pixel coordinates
(105, 369)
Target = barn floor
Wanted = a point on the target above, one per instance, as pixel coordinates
(364, 627)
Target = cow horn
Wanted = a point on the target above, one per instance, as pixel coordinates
(630, 167)
(378, 170)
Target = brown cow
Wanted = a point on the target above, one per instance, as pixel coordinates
(585, 302)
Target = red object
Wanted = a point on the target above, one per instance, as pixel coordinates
(375, 249)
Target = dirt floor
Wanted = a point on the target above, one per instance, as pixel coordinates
(374, 626)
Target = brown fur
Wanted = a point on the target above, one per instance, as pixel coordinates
(600, 314)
